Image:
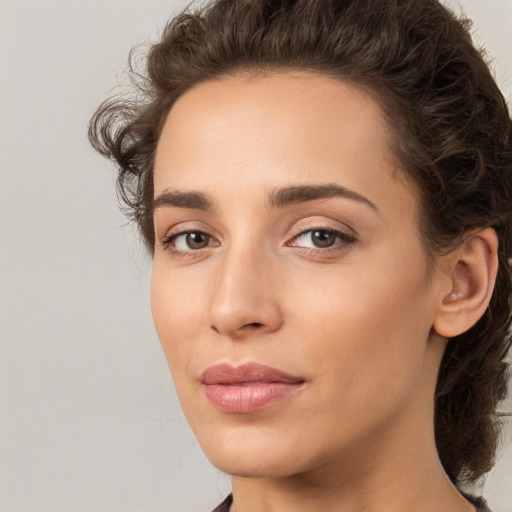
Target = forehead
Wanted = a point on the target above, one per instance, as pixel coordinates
(273, 130)
(290, 106)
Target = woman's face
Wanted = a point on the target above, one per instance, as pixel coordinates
(290, 289)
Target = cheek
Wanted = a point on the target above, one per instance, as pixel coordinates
(175, 306)
(366, 324)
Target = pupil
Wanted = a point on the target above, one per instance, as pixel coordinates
(323, 238)
(197, 240)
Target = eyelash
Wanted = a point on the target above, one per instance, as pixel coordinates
(345, 240)
(190, 253)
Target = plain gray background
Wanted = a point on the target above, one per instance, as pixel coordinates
(88, 416)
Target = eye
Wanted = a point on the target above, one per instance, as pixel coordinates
(321, 239)
(189, 241)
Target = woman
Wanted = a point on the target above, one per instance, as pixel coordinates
(326, 189)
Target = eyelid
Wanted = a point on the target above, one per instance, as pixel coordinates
(344, 238)
(347, 235)
(172, 238)
(185, 228)
(323, 224)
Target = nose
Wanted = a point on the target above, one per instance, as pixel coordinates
(245, 296)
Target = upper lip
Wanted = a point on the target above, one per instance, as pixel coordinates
(225, 373)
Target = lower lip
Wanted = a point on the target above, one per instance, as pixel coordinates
(250, 397)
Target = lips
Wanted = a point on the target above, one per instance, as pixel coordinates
(247, 388)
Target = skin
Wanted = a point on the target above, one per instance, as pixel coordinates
(361, 321)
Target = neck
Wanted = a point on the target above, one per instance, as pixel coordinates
(406, 475)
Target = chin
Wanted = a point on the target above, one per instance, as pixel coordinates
(260, 466)
(254, 456)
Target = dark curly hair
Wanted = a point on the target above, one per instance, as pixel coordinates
(451, 131)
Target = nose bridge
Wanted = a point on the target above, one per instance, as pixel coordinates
(244, 298)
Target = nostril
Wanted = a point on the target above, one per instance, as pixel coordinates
(240, 330)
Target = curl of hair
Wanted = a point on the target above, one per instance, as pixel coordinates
(452, 136)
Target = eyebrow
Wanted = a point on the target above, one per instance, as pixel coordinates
(194, 200)
(282, 197)
(278, 198)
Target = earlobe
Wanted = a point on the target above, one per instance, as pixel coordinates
(472, 273)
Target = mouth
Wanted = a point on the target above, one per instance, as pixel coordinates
(247, 388)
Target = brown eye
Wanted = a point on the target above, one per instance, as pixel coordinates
(188, 241)
(197, 240)
(323, 238)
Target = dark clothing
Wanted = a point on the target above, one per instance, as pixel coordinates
(478, 502)
(224, 506)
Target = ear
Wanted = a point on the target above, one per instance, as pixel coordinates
(472, 273)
